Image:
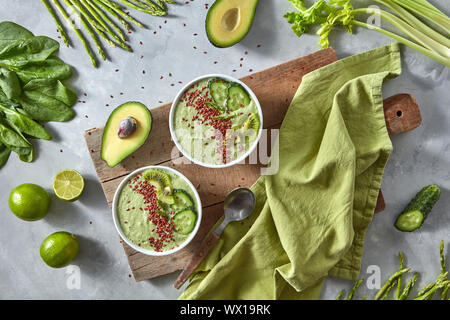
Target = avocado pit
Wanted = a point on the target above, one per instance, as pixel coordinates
(127, 127)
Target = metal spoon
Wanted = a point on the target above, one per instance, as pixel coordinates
(238, 205)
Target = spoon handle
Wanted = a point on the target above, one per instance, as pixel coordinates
(195, 261)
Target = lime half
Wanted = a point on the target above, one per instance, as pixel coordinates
(68, 185)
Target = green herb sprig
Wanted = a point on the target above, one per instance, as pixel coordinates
(340, 13)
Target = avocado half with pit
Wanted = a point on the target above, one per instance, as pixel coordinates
(127, 129)
(229, 21)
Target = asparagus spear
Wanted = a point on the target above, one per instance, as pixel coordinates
(134, 6)
(59, 26)
(425, 289)
(442, 258)
(91, 21)
(408, 287)
(340, 294)
(105, 18)
(106, 27)
(355, 287)
(388, 290)
(96, 27)
(120, 12)
(77, 32)
(389, 282)
(399, 281)
(440, 283)
(111, 12)
(89, 31)
(444, 295)
(160, 4)
(158, 9)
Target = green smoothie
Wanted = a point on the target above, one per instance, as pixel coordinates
(216, 125)
(147, 221)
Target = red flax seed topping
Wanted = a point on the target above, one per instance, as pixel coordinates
(196, 98)
(164, 228)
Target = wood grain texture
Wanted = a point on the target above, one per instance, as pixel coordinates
(275, 87)
(195, 261)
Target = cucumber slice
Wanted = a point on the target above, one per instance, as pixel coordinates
(184, 221)
(237, 97)
(409, 221)
(218, 88)
(182, 200)
(418, 209)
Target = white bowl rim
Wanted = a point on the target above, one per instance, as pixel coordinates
(116, 218)
(177, 99)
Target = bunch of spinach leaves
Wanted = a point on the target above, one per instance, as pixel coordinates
(31, 90)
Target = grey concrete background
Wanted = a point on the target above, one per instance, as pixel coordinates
(420, 157)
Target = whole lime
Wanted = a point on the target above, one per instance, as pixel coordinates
(59, 249)
(29, 202)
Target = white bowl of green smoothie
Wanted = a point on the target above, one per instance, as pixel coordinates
(216, 121)
(156, 210)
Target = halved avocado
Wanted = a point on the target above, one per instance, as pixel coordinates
(114, 148)
(229, 21)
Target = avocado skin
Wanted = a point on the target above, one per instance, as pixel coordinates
(239, 38)
(139, 142)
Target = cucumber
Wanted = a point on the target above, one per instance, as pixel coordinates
(184, 221)
(237, 97)
(418, 209)
(218, 88)
(182, 200)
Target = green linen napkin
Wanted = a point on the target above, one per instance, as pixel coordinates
(311, 216)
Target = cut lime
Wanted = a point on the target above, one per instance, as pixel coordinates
(68, 185)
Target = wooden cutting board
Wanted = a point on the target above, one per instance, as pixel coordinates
(274, 87)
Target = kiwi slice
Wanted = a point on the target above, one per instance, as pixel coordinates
(251, 123)
(153, 174)
(162, 183)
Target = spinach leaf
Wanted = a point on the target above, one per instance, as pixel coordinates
(7, 102)
(51, 68)
(44, 108)
(9, 83)
(16, 53)
(52, 88)
(4, 154)
(48, 100)
(12, 31)
(22, 123)
(15, 142)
